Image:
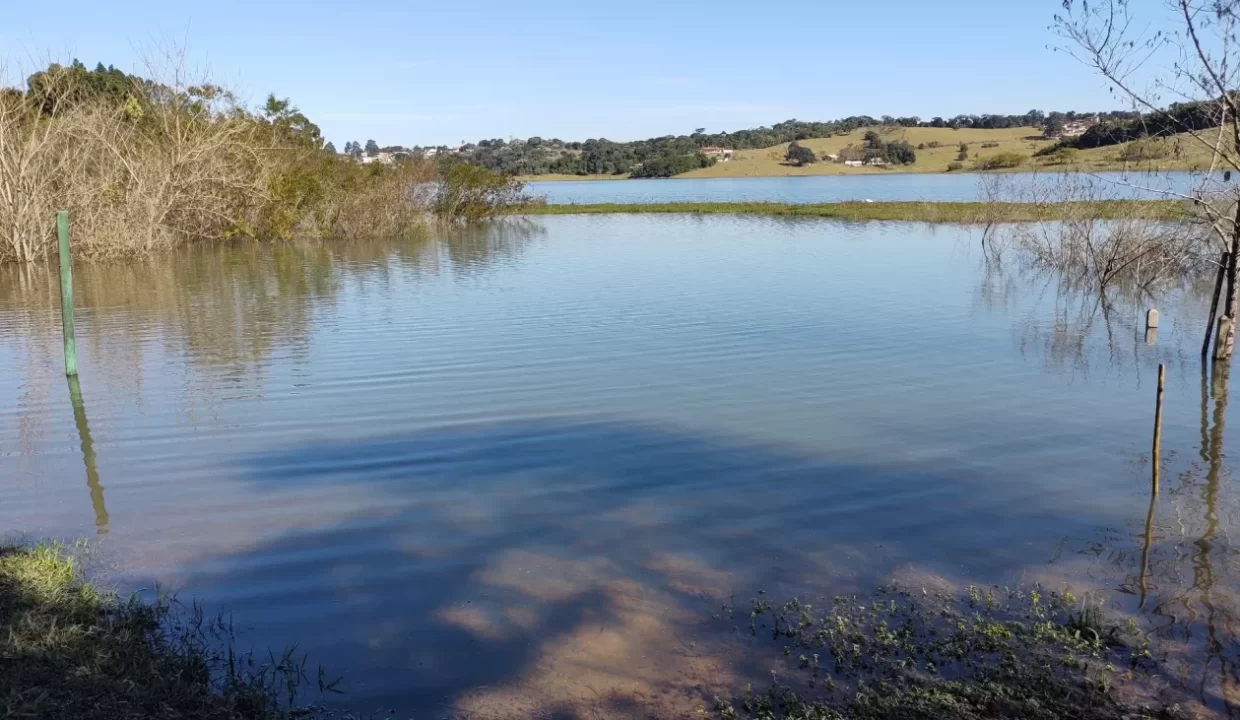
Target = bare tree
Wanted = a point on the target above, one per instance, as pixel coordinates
(1133, 252)
(1196, 59)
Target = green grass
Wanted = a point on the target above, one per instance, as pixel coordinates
(934, 212)
(68, 650)
(910, 654)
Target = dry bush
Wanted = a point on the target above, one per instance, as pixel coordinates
(34, 163)
(1098, 253)
(153, 163)
(468, 192)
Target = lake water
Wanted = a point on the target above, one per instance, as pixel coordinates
(939, 187)
(515, 470)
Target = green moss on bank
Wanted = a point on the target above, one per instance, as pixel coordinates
(68, 650)
(933, 212)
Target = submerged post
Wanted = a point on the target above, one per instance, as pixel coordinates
(1218, 286)
(1158, 403)
(66, 293)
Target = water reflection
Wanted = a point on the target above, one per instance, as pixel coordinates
(1090, 329)
(88, 456)
(229, 308)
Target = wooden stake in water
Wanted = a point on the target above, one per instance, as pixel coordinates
(66, 293)
(1218, 287)
(1162, 372)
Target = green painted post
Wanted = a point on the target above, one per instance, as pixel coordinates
(66, 293)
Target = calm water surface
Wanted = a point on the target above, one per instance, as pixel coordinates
(930, 187)
(516, 469)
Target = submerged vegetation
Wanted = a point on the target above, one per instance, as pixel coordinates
(912, 653)
(149, 163)
(68, 650)
(935, 212)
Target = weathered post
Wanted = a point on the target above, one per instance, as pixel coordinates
(1224, 338)
(66, 293)
(1218, 287)
(1151, 319)
(1158, 403)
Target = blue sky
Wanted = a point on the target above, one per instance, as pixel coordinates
(411, 72)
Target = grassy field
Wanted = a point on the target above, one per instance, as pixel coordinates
(935, 212)
(941, 147)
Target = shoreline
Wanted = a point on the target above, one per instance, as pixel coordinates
(929, 212)
(1135, 168)
(78, 651)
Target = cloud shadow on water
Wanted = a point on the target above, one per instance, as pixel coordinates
(563, 566)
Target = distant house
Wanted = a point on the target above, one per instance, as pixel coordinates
(831, 158)
(719, 153)
(1078, 127)
(854, 163)
(876, 161)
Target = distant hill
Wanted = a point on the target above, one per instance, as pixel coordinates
(539, 156)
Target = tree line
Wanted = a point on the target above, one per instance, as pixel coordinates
(1176, 118)
(538, 156)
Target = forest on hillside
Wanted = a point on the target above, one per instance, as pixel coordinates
(653, 157)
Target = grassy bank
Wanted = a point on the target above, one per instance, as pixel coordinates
(68, 650)
(934, 212)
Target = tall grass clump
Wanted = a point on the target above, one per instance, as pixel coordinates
(68, 650)
(148, 163)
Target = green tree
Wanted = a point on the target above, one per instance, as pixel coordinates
(330, 148)
(873, 140)
(1053, 126)
(372, 148)
(800, 155)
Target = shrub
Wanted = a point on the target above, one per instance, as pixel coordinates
(1141, 150)
(1001, 161)
(800, 155)
(1061, 156)
(955, 165)
(669, 165)
(899, 153)
(988, 145)
(469, 192)
(964, 152)
(144, 166)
